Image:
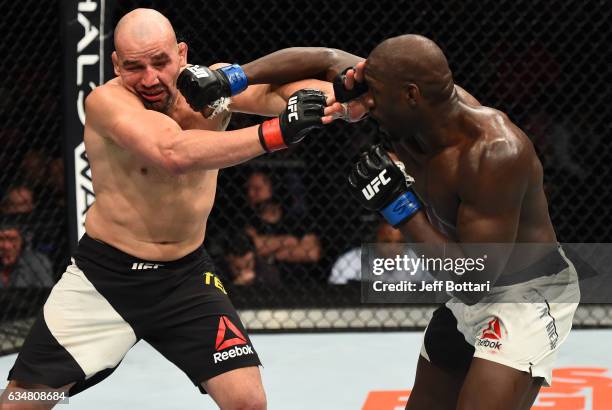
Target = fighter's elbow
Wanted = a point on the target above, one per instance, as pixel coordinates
(173, 162)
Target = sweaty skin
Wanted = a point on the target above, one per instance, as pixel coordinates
(154, 171)
(477, 172)
(481, 182)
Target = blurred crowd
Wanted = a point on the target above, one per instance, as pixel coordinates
(275, 226)
(32, 221)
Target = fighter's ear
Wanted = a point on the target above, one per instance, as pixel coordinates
(115, 59)
(411, 93)
(182, 50)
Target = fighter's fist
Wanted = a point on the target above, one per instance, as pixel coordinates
(381, 185)
(303, 114)
(350, 83)
(202, 86)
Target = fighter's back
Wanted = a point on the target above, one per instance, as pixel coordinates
(501, 148)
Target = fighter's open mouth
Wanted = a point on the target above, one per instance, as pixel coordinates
(152, 96)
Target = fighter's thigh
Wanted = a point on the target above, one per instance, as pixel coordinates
(434, 388)
(203, 336)
(8, 401)
(489, 385)
(237, 389)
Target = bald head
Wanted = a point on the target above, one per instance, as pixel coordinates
(141, 27)
(148, 58)
(414, 59)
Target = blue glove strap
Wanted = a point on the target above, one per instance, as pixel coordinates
(236, 77)
(404, 206)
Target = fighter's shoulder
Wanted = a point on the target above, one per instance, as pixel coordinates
(500, 146)
(109, 95)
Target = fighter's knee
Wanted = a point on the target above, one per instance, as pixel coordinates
(470, 404)
(254, 401)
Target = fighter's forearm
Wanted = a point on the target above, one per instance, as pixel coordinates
(298, 63)
(436, 245)
(191, 150)
(418, 229)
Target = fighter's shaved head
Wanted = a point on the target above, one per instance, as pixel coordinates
(143, 26)
(148, 59)
(414, 59)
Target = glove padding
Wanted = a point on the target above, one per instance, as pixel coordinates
(343, 95)
(303, 114)
(202, 86)
(381, 185)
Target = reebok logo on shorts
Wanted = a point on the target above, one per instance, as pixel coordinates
(490, 335)
(229, 335)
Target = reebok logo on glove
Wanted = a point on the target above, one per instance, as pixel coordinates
(292, 109)
(372, 188)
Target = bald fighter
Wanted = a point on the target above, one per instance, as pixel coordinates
(469, 176)
(140, 271)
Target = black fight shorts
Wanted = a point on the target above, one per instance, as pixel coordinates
(107, 301)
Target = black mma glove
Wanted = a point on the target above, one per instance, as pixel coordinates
(342, 94)
(380, 184)
(202, 86)
(303, 114)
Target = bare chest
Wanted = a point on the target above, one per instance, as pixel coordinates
(437, 182)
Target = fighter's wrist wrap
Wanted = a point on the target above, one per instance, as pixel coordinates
(271, 135)
(236, 78)
(401, 208)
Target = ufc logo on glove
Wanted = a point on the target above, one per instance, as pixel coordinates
(292, 108)
(372, 188)
(198, 71)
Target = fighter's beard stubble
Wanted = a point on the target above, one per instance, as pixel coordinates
(164, 106)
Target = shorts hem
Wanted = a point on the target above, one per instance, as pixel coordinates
(522, 368)
(13, 376)
(197, 381)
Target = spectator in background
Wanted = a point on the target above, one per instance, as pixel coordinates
(20, 266)
(243, 265)
(529, 77)
(18, 200)
(388, 245)
(56, 182)
(278, 237)
(34, 168)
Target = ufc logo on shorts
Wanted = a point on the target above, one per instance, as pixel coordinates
(143, 266)
(292, 108)
(198, 71)
(372, 188)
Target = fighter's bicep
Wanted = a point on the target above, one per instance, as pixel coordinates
(113, 115)
(145, 133)
(490, 204)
